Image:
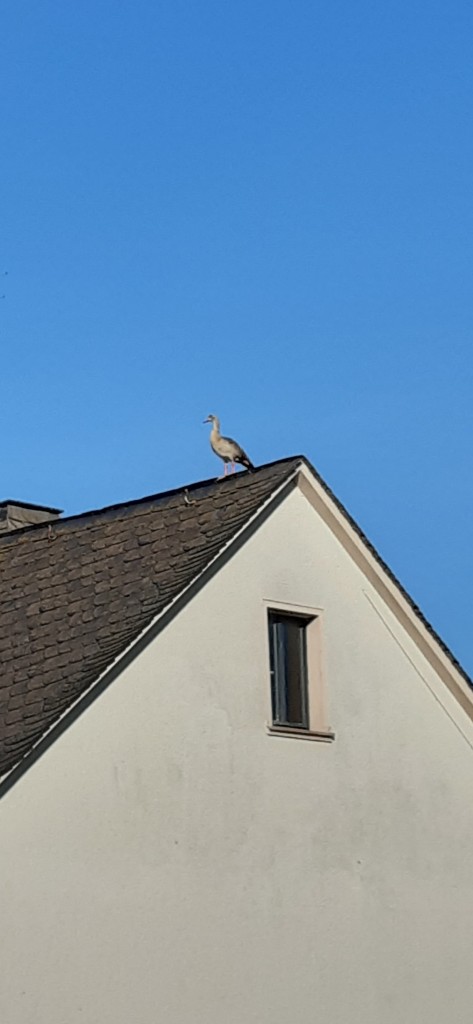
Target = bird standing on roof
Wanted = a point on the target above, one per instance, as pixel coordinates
(226, 449)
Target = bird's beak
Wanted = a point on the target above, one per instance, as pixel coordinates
(206, 421)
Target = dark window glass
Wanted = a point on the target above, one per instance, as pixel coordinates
(288, 664)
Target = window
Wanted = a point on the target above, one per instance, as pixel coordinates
(288, 666)
(298, 706)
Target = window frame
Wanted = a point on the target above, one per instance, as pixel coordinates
(284, 695)
(317, 727)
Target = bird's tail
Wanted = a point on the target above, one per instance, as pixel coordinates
(248, 465)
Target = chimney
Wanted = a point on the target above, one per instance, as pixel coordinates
(14, 515)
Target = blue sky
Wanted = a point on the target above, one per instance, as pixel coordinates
(259, 209)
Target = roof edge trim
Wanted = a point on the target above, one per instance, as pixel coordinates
(387, 586)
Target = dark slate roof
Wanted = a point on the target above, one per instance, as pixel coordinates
(76, 591)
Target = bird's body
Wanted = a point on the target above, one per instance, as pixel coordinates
(227, 449)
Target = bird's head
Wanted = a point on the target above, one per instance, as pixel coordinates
(211, 419)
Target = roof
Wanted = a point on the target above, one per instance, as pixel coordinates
(75, 593)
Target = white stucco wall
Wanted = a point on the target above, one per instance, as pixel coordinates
(168, 862)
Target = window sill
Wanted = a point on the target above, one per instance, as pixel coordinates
(325, 736)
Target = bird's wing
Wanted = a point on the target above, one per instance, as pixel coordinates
(237, 453)
(233, 448)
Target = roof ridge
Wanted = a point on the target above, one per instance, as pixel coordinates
(158, 496)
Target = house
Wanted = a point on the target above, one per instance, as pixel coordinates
(237, 768)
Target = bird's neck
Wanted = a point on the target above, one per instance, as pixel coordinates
(215, 428)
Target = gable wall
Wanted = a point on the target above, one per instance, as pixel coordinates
(167, 860)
